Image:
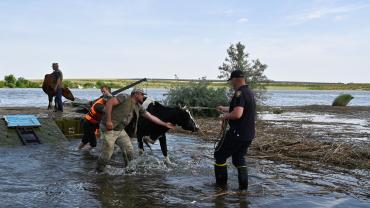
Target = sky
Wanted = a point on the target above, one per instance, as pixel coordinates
(311, 40)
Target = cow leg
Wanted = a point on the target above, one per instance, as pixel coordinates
(163, 143)
(140, 145)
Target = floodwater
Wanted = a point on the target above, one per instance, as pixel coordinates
(60, 176)
(37, 98)
(314, 97)
(328, 126)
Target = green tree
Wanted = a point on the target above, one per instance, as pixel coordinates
(2, 84)
(238, 58)
(10, 81)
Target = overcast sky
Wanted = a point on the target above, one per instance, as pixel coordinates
(317, 40)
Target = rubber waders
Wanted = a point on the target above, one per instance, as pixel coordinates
(243, 177)
(221, 175)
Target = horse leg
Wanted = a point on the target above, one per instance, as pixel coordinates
(55, 105)
(50, 102)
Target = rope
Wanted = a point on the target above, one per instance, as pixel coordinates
(201, 108)
(221, 136)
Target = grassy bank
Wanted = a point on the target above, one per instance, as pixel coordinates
(168, 83)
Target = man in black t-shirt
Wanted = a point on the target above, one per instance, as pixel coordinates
(241, 117)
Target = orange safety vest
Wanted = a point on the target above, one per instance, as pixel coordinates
(93, 116)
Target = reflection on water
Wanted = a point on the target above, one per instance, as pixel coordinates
(59, 176)
(37, 98)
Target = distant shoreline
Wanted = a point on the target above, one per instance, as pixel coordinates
(169, 83)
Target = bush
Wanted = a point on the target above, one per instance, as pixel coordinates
(22, 83)
(198, 94)
(10, 81)
(99, 83)
(342, 100)
(70, 84)
(32, 84)
(2, 84)
(88, 85)
(115, 85)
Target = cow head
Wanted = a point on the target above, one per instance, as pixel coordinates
(186, 120)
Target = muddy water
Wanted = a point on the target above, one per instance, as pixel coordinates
(59, 176)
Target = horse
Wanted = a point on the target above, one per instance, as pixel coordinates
(48, 86)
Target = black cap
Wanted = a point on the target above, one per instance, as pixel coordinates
(236, 74)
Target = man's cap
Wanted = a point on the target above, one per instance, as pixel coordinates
(236, 74)
(137, 89)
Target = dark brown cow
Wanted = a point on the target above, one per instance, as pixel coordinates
(48, 87)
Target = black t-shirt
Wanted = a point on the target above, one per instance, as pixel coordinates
(58, 75)
(244, 127)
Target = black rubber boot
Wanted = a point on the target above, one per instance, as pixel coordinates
(243, 177)
(221, 176)
(100, 167)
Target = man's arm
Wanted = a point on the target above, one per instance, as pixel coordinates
(235, 114)
(158, 121)
(108, 111)
(222, 109)
(57, 84)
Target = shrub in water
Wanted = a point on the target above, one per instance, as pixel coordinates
(342, 100)
(198, 94)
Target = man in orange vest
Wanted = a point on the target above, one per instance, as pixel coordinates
(93, 118)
